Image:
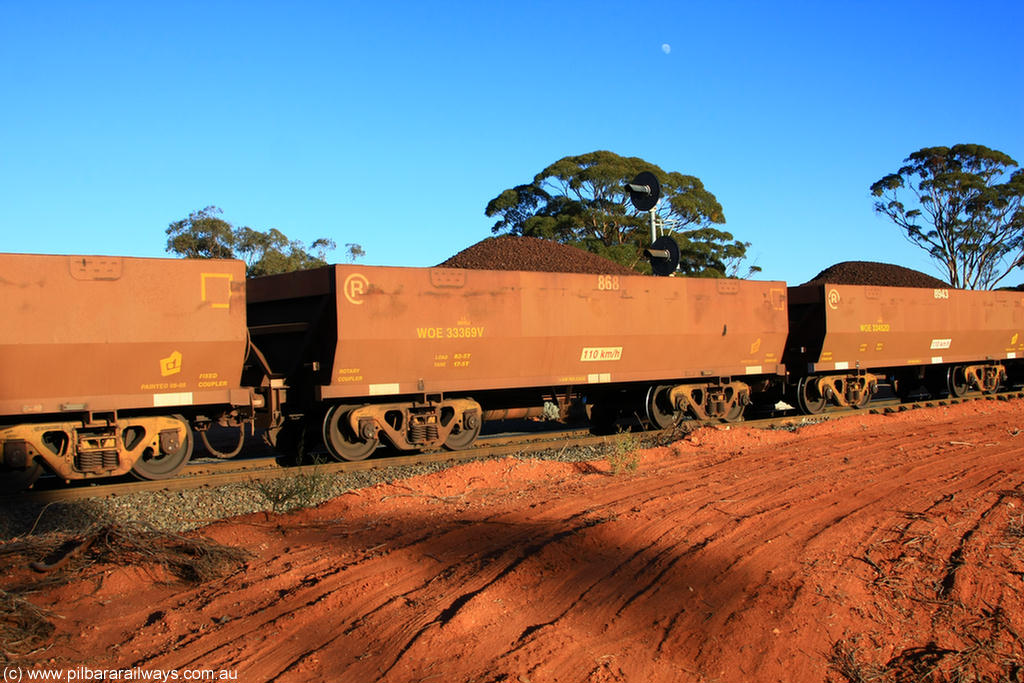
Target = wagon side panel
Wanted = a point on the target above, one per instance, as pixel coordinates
(403, 330)
(902, 326)
(102, 333)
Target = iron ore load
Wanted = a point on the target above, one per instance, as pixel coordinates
(113, 365)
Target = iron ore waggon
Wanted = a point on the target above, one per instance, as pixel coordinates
(844, 340)
(112, 365)
(420, 357)
(108, 363)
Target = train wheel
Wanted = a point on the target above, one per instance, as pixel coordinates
(809, 399)
(864, 400)
(734, 414)
(956, 382)
(165, 465)
(342, 443)
(660, 411)
(466, 434)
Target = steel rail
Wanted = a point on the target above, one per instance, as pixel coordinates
(264, 469)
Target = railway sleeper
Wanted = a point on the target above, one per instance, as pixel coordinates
(148, 447)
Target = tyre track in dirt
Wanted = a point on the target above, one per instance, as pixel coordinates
(731, 555)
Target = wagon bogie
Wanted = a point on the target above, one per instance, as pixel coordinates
(723, 400)
(354, 432)
(813, 394)
(984, 377)
(151, 447)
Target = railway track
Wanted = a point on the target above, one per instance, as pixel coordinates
(215, 473)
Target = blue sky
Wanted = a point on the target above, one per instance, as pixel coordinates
(393, 124)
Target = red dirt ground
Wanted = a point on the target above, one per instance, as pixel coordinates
(881, 545)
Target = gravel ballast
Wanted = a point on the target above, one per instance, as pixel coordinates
(178, 511)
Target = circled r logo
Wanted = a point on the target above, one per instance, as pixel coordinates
(833, 299)
(355, 286)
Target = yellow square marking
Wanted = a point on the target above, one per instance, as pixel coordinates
(218, 296)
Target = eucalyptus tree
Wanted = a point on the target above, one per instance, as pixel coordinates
(204, 234)
(962, 205)
(582, 201)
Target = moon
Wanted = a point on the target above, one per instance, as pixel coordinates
(666, 48)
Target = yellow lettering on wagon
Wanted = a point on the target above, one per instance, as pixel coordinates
(162, 386)
(349, 375)
(209, 380)
(429, 332)
(600, 353)
(464, 332)
(460, 332)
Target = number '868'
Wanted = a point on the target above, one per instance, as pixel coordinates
(607, 282)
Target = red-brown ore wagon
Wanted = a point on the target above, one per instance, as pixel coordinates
(420, 356)
(845, 339)
(105, 361)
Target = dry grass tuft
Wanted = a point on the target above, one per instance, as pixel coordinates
(192, 560)
(293, 492)
(59, 558)
(23, 627)
(845, 661)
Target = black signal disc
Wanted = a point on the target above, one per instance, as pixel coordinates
(645, 201)
(665, 266)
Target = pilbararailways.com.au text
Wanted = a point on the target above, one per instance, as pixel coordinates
(84, 673)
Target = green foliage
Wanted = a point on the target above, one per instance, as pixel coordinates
(353, 250)
(205, 235)
(624, 456)
(293, 492)
(581, 200)
(202, 235)
(965, 210)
